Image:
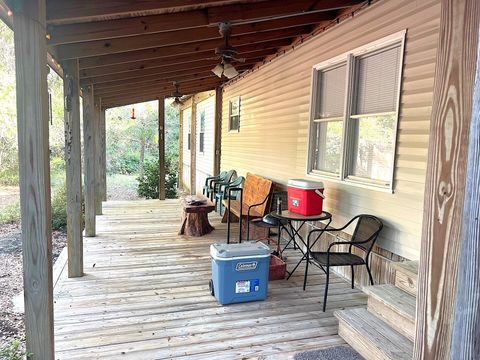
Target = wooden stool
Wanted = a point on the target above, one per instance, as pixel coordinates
(195, 217)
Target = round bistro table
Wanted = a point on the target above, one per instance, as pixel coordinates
(294, 233)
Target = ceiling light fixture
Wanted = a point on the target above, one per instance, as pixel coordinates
(226, 69)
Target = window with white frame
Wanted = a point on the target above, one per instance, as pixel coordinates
(354, 114)
(234, 114)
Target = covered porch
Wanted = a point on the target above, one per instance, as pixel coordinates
(133, 288)
(144, 295)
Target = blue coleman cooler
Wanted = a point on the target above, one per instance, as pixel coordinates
(239, 272)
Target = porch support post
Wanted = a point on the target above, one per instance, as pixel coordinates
(32, 123)
(161, 148)
(98, 136)
(446, 179)
(218, 130)
(89, 159)
(466, 331)
(180, 151)
(193, 149)
(103, 161)
(74, 168)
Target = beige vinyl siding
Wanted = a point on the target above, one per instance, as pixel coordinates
(275, 105)
(187, 116)
(205, 159)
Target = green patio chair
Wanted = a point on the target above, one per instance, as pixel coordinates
(222, 193)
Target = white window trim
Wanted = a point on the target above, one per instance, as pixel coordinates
(230, 130)
(398, 37)
(202, 152)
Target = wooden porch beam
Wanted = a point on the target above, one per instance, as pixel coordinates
(161, 148)
(184, 50)
(115, 102)
(73, 11)
(181, 23)
(98, 135)
(465, 344)
(163, 89)
(446, 180)
(218, 130)
(150, 92)
(34, 165)
(192, 39)
(89, 159)
(103, 160)
(272, 8)
(73, 162)
(160, 87)
(180, 149)
(165, 62)
(136, 84)
(193, 148)
(169, 72)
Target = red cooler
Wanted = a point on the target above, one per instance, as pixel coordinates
(305, 197)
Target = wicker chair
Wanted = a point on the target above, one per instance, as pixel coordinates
(364, 237)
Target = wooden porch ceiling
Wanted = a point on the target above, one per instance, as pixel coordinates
(132, 51)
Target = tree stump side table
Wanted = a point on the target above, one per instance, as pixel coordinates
(195, 217)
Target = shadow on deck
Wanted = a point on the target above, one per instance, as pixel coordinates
(145, 296)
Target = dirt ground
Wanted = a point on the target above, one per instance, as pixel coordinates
(11, 278)
(9, 195)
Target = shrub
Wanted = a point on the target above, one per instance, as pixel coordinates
(148, 184)
(59, 208)
(10, 214)
(14, 351)
(9, 176)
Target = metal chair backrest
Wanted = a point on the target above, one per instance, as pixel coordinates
(238, 182)
(229, 176)
(283, 195)
(366, 232)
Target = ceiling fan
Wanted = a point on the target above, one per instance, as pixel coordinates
(227, 54)
(177, 94)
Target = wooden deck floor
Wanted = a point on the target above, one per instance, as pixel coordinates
(145, 296)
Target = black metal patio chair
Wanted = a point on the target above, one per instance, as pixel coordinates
(269, 222)
(364, 237)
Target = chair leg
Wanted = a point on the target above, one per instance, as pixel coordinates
(353, 276)
(306, 273)
(369, 273)
(326, 289)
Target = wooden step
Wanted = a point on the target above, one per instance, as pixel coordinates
(394, 306)
(406, 275)
(371, 337)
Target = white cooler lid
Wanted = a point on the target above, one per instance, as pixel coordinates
(305, 184)
(245, 249)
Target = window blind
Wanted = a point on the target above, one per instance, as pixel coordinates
(377, 82)
(331, 92)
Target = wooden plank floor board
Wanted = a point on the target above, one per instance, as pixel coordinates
(145, 296)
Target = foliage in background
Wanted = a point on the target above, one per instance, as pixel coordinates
(59, 208)
(10, 214)
(148, 184)
(132, 146)
(14, 351)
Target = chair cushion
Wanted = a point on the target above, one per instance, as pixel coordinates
(337, 258)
